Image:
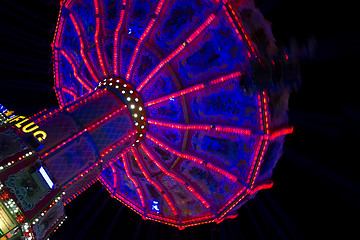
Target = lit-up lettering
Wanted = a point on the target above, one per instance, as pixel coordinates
(40, 135)
(28, 127)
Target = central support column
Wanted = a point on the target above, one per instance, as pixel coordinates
(73, 145)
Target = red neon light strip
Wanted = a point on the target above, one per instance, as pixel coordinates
(266, 112)
(232, 199)
(256, 155)
(113, 170)
(191, 158)
(113, 160)
(226, 174)
(133, 180)
(74, 67)
(173, 151)
(173, 175)
(116, 36)
(225, 78)
(147, 176)
(57, 79)
(193, 89)
(158, 218)
(159, 165)
(192, 190)
(262, 153)
(198, 219)
(45, 116)
(205, 127)
(261, 187)
(82, 47)
(142, 38)
(260, 113)
(232, 22)
(281, 132)
(241, 195)
(117, 144)
(247, 38)
(198, 196)
(91, 97)
(68, 91)
(177, 94)
(176, 52)
(37, 114)
(97, 38)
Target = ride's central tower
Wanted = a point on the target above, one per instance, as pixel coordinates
(49, 158)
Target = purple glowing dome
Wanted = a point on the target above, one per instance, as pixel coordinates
(214, 107)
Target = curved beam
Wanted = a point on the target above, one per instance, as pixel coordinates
(82, 46)
(74, 66)
(192, 158)
(161, 190)
(176, 52)
(204, 127)
(174, 176)
(194, 88)
(116, 37)
(97, 38)
(142, 38)
(136, 184)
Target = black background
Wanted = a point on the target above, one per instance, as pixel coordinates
(316, 190)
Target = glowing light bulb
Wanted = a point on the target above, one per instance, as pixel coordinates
(129, 99)
(132, 106)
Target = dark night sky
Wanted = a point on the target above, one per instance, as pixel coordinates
(316, 190)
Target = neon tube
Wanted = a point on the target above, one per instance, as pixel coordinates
(99, 53)
(46, 177)
(191, 158)
(74, 67)
(116, 36)
(124, 159)
(193, 89)
(82, 47)
(281, 132)
(205, 127)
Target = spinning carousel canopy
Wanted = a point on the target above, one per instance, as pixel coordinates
(214, 125)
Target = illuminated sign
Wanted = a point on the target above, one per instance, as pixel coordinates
(28, 127)
(46, 177)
